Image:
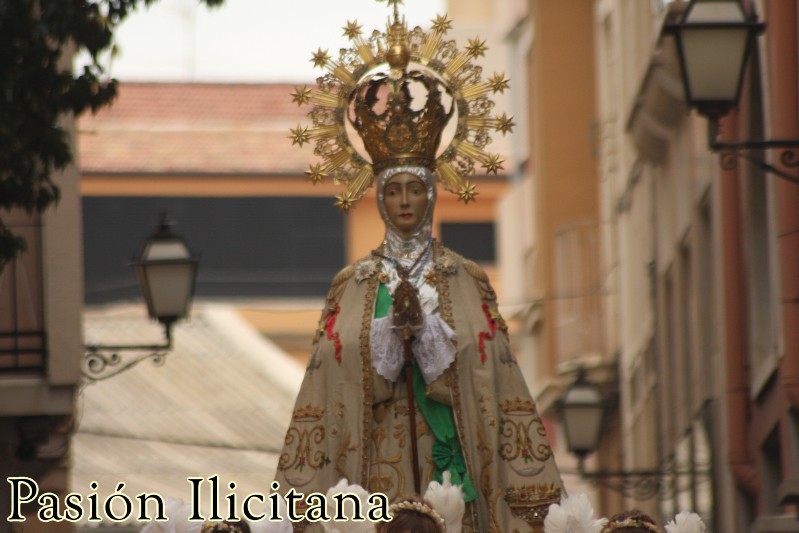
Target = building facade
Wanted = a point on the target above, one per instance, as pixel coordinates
(704, 260)
(40, 350)
(548, 222)
(219, 160)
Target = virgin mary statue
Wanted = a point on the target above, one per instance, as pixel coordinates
(458, 402)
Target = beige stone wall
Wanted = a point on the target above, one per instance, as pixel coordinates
(661, 248)
(559, 177)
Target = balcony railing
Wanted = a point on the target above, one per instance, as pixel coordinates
(578, 292)
(22, 343)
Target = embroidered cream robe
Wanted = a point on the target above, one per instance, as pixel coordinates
(349, 422)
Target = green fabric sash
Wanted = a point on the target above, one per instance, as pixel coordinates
(447, 453)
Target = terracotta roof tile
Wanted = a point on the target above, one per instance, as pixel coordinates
(201, 128)
(195, 128)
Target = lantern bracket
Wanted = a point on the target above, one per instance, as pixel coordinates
(636, 484)
(731, 151)
(639, 484)
(161, 253)
(103, 361)
(724, 97)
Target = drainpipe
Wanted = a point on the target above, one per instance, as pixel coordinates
(782, 50)
(735, 333)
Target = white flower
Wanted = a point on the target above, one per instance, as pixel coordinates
(178, 514)
(348, 526)
(574, 514)
(447, 500)
(686, 522)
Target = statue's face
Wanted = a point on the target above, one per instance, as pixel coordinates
(405, 199)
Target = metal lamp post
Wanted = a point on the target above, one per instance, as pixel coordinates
(166, 270)
(582, 416)
(714, 41)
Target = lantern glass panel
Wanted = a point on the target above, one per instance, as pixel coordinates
(167, 273)
(713, 60)
(581, 415)
(715, 11)
(714, 44)
(170, 288)
(157, 250)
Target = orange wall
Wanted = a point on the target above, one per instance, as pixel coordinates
(562, 113)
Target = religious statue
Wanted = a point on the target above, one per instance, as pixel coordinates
(411, 373)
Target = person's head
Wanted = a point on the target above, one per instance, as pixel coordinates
(633, 521)
(411, 515)
(226, 527)
(406, 196)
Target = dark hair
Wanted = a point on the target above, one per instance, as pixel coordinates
(632, 521)
(226, 527)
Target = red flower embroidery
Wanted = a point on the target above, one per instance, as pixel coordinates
(333, 335)
(483, 335)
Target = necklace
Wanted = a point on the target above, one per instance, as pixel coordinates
(414, 273)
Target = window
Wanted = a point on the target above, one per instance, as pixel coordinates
(249, 247)
(473, 240)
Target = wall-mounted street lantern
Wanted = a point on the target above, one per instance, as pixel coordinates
(714, 41)
(166, 270)
(582, 415)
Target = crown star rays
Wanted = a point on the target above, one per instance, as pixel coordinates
(335, 91)
(467, 193)
(391, 3)
(299, 135)
(345, 201)
(505, 124)
(493, 163)
(352, 29)
(315, 173)
(441, 24)
(320, 58)
(477, 48)
(301, 95)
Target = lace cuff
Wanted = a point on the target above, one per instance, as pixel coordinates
(433, 348)
(386, 348)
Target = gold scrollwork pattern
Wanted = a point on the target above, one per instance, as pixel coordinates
(487, 486)
(364, 341)
(516, 441)
(344, 448)
(301, 441)
(304, 454)
(384, 470)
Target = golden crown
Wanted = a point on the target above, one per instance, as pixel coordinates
(400, 134)
(308, 412)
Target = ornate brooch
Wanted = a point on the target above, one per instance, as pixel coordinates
(446, 265)
(365, 270)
